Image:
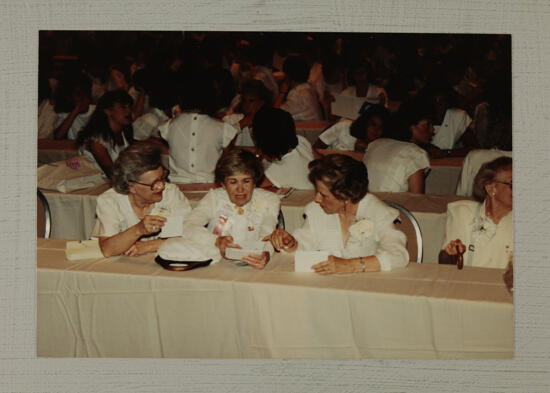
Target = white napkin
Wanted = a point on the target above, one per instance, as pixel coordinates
(58, 176)
(304, 260)
(83, 249)
(182, 249)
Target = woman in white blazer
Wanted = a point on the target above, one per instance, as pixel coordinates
(354, 226)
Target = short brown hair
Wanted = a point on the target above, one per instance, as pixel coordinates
(133, 162)
(487, 174)
(345, 177)
(235, 161)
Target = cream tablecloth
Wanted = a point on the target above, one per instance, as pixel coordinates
(131, 307)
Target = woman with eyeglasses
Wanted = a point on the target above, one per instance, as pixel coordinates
(130, 216)
(482, 231)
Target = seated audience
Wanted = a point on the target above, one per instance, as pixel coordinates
(237, 211)
(286, 155)
(131, 215)
(109, 130)
(302, 101)
(353, 225)
(357, 134)
(400, 164)
(196, 139)
(482, 230)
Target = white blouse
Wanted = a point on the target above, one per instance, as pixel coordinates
(373, 94)
(376, 234)
(292, 169)
(338, 136)
(115, 214)
(251, 222)
(303, 104)
(455, 123)
(244, 138)
(112, 149)
(487, 244)
(390, 162)
(196, 143)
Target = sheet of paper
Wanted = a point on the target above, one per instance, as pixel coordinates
(304, 260)
(172, 227)
(248, 247)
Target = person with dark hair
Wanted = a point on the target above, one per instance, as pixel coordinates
(72, 105)
(195, 137)
(296, 95)
(109, 130)
(399, 164)
(237, 211)
(360, 80)
(131, 215)
(254, 95)
(482, 230)
(353, 225)
(286, 154)
(355, 135)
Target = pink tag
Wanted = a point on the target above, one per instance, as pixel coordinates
(73, 163)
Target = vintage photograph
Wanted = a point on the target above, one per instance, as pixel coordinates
(289, 195)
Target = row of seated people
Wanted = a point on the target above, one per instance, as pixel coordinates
(345, 219)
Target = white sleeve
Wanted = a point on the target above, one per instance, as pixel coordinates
(195, 222)
(109, 218)
(229, 132)
(418, 159)
(331, 135)
(270, 215)
(144, 126)
(178, 202)
(304, 235)
(391, 251)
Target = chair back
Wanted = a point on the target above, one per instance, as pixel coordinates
(43, 216)
(408, 224)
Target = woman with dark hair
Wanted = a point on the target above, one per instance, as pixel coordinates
(353, 225)
(109, 130)
(360, 78)
(237, 211)
(357, 134)
(400, 164)
(286, 154)
(131, 215)
(482, 230)
(296, 95)
(196, 138)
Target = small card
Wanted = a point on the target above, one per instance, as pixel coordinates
(304, 260)
(248, 247)
(172, 227)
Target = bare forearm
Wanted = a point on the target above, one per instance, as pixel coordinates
(119, 243)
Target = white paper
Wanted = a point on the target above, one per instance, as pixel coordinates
(248, 247)
(304, 260)
(172, 227)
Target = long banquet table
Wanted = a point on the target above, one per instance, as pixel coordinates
(131, 307)
(73, 214)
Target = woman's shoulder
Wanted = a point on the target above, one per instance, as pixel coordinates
(268, 196)
(373, 207)
(463, 206)
(111, 197)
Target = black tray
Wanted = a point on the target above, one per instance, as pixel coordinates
(181, 265)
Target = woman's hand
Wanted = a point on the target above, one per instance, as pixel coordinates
(222, 242)
(455, 247)
(282, 240)
(142, 247)
(151, 224)
(334, 265)
(257, 261)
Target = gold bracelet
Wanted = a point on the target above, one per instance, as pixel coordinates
(363, 266)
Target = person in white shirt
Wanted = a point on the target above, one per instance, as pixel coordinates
(236, 212)
(481, 231)
(353, 225)
(355, 135)
(360, 77)
(131, 215)
(302, 101)
(471, 165)
(109, 130)
(196, 139)
(286, 155)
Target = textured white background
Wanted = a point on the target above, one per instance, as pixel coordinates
(527, 20)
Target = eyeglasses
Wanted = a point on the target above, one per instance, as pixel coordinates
(509, 184)
(157, 184)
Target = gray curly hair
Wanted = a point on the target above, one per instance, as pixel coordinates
(133, 162)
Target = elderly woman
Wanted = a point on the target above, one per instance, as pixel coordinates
(483, 231)
(237, 211)
(131, 215)
(354, 226)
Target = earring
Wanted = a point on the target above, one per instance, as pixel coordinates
(494, 193)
